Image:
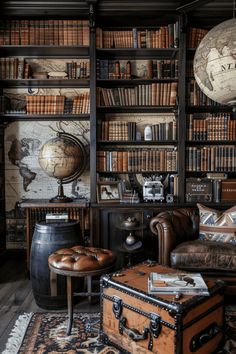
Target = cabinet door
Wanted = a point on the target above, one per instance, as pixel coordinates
(116, 238)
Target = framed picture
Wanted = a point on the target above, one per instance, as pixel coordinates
(108, 192)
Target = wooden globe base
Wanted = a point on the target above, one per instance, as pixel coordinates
(60, 197)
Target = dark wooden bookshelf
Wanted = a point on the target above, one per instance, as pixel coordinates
(117, 15)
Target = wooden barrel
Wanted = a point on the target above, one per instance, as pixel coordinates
(48, 238)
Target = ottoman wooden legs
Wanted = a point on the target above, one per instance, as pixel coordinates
(79, 261)
(69, 285)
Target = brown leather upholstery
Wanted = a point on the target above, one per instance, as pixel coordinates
(179, 247)
(204, 255)
(172, 228)
(81, 258)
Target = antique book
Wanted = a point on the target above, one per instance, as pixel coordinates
(228, 190)
(177, 283)
(57, 217)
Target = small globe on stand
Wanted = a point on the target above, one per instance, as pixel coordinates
(63, 158)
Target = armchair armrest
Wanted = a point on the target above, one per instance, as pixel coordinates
(173, 227)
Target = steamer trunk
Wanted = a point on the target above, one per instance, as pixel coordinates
(136, 322)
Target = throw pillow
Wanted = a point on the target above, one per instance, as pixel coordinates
(216, 225)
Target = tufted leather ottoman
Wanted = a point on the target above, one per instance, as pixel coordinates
(78, 261)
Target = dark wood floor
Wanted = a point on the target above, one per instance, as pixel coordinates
(16, 295)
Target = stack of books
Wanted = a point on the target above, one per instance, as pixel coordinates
(56, 218)
(177, 283)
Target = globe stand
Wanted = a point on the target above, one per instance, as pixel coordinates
(60, 198)
(51, 159)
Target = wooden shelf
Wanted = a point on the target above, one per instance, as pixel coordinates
(137, 53)
(133, 82)
(137, 143)
(202, 173)
(208, 109)
(137, 109)
(44, 117)
(210, 142)
(45, 83)
(136, 172)
(45, 51)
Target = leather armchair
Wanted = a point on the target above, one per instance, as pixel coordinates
(179, 247)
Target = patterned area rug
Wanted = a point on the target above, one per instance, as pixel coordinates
(45, 333)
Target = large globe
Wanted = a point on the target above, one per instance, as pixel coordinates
(63, 158)
(215, 63)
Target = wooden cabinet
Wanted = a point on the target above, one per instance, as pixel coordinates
(108, 233)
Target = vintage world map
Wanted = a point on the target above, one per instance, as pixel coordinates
(24, 178)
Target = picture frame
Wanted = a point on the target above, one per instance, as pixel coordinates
(108, 192)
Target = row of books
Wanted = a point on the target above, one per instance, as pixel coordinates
(211, 158)
(164, 131)
(14, 68)
(211, 127)
(155, 94)
(117, 130)
(77, 70)
(155, 69)
(195, 96)
(162, 37)
(195, 36)
(126, 131)
(55, 104)
(44, 32)
(81, 104)
(137, 160)
(130, 197)
(19, 68)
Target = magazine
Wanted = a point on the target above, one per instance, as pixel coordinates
(177, 283)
